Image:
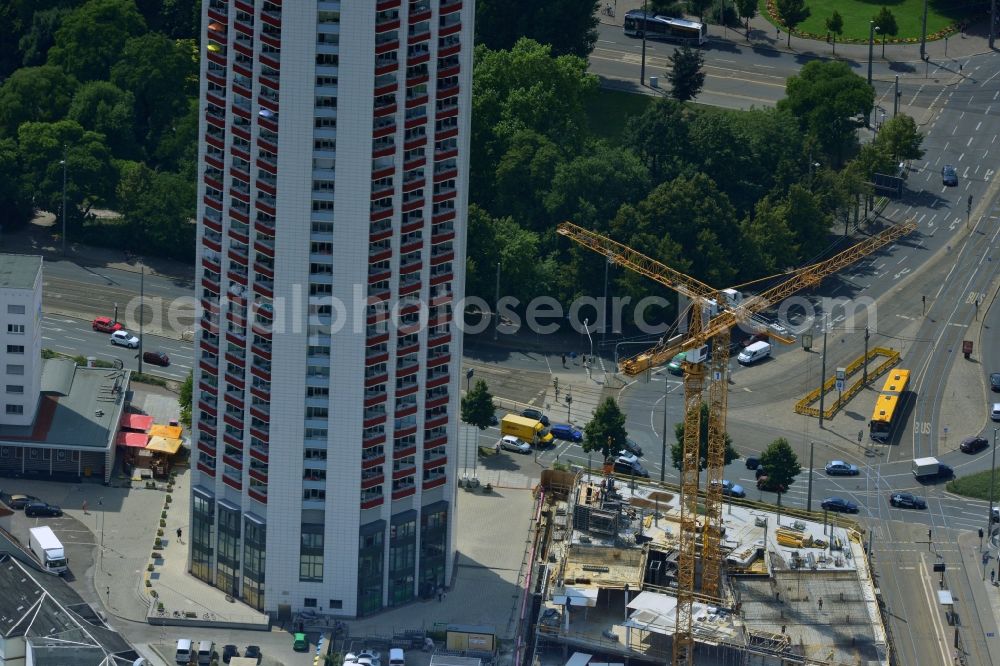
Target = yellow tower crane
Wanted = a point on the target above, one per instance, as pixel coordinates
(702, 328)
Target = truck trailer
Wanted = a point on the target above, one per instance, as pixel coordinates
(45, 545)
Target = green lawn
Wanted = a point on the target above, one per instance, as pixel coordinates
(975, 485)
(857, 14)
(610, 109)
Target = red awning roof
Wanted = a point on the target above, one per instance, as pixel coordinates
(133, 439)
(141, 422)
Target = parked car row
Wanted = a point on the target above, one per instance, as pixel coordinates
(204, 652)
(31, 505)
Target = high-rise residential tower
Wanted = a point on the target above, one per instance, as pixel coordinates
(333, 151)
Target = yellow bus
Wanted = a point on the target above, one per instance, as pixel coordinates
(888, 405)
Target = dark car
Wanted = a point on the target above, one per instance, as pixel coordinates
(907, 501)
(949, 177)
(566, 432)
(42, 509)
(753, 462)
(632, 447)
(156, 358)
(756, 337)
(18, 500)
(840, 505)
(622, 467)
(974, 444)
(759, 472)
(995, 381)
(228, 652)
(253, 652)
(840, 468)
(537, 415)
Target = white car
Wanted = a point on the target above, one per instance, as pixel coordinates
(124, 339)
(511, 443)
(626, 457)
(995, 412)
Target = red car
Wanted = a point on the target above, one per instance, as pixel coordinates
(105, 325)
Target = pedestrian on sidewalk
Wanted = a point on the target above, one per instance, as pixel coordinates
(179, 535)
(993, 575)
(564, 360)
(85, 505)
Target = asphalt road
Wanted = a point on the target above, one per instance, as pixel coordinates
(69, 335)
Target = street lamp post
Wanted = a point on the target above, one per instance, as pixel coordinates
(871, 45)
(663, 451)
(993, 478)
(809, 499)
(923, 35)
(496, 306)
(65, 163)
(642, 67)
(604, 304)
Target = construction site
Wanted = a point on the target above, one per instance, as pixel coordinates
(794, 589)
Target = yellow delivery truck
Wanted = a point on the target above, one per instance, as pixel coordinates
(529, 430)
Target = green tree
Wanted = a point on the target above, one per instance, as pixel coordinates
(781, 466)
(835, 26)
(606, 430)
(177, 19)
(185, 397)
(34, 94)
(770, 242)
(91, 38)
(900, 137)
(685, 74)
(478, 408)
(522, 176)
(826, 97)
(35, 44)
(666, 7)
(158, 208)
(90, 173)
(15, 197)
(698, 7)
(885, 23)
(659, 136)
(677, 448)
(161, 75)
(569, 26)
(525, 88)
(103, 107)
(591, 188)
(792, 13)
(178, 147)
(747, 9)
(493, 240)
(694, 214)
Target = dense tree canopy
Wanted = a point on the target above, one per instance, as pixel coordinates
(91, 38)
(107, 109)
(605, 432)
(570, 26)
(685, 74)
(826, 96)
(34, 94)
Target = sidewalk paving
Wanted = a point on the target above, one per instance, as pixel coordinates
(985, 593)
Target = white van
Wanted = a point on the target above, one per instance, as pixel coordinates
(754, 352)
(397, 657)
(995, 413)
(183, 655)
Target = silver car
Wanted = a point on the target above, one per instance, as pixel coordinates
(515, 444)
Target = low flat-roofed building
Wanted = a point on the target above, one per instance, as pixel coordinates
(793, 587)
(75, 428)
(44, 623)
